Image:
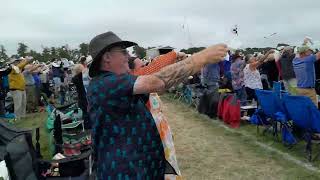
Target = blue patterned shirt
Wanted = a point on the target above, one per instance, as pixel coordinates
(125, 135)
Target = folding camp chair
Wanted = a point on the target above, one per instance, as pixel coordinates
(304, 115)
(24, 161)
(272, 106)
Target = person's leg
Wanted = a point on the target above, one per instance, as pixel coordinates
(2, 107)
(249, 94)
(29, 99)
(265, 82)
(16, 96)
(23, 103)
(57, 84)
(243, 96)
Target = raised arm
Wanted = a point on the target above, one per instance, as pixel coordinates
(35, 69)
(260, 60)
(175, 73)
(158, 63)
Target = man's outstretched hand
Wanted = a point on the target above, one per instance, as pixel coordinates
(214, 54)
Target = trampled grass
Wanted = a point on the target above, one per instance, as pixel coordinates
(205, 150)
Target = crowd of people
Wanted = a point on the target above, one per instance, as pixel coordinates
(23, 81)
(117, 94)
(243, 73)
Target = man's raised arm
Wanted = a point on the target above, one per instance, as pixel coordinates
(176, 73)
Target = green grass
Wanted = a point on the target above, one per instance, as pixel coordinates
(33, 121)
(289, 170)
(298, 150)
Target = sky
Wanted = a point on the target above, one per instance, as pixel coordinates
(178, 23)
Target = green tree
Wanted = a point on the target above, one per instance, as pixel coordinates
(3, 53)
(84, 49)
(139, 51)
(53, 52)
(64, 52)
(46, 55)
(192, 50)
(35, 55)
(22, 50)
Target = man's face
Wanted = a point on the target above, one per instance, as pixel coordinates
(138, 63)
(252, 59)
(116, 60)
(309, 52)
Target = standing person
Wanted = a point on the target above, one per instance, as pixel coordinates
(37, 80)
(252, 78)
(154, 105)
(303, 67)
(227, 66)
(66, 80)
(288, 75)
(30, 83)
(57, 74)
(125, 135)
(44, 78)
(3, 91)
(17, 87)
(269, 74)
(237, 75)
(78, 81)
(210, 77)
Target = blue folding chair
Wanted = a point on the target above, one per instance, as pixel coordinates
(272, 106)
(304, 115)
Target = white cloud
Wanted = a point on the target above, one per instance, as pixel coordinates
(153, 23)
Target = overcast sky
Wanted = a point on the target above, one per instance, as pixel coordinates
(178, 23)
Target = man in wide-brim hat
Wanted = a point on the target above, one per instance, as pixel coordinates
(126, 140)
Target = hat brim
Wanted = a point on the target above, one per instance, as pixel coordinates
(55, 65)
(95, 64)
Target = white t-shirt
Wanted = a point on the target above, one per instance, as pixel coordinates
(252, 79)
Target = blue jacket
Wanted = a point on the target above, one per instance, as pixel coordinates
(210, 74)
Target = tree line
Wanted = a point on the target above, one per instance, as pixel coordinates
(50, 53)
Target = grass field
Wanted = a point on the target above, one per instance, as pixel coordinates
(206, 150)
(32, 121)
